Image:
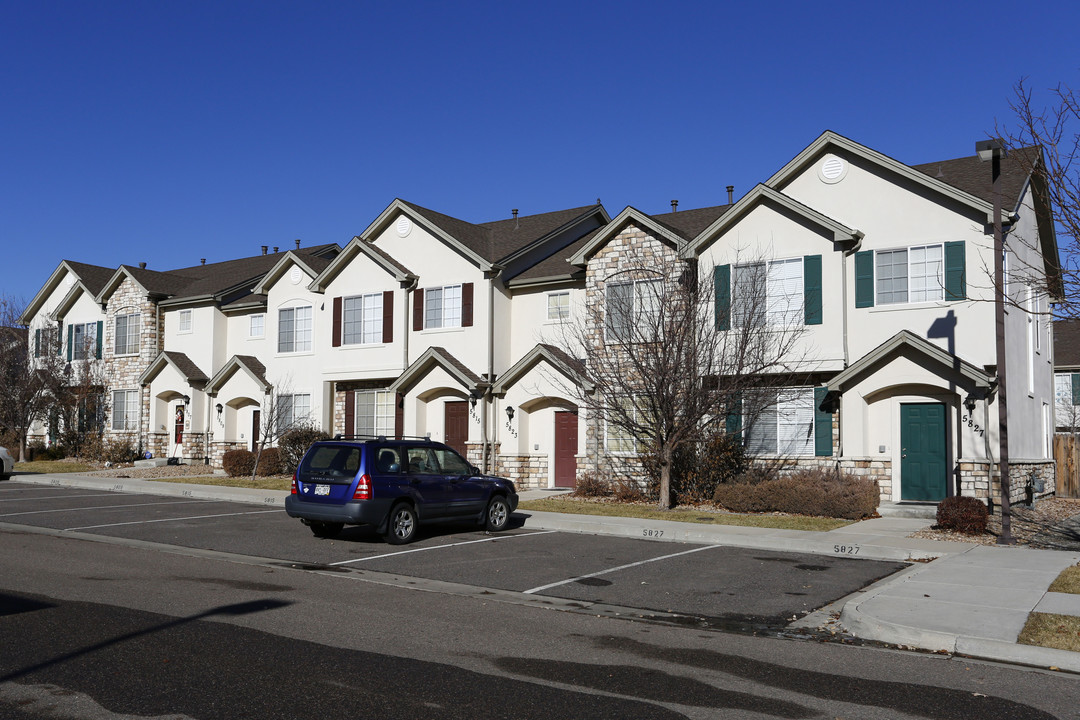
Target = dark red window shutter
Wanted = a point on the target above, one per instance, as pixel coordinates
(466, 304)
(399, 415)
(336, 342)
(350, 413)
(418, 309)
(388, 316)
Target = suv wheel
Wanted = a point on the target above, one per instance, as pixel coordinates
(497, 517)
(325, 529)
(401, 527)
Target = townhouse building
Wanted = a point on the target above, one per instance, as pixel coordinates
(426, 324)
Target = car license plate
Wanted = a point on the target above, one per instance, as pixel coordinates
(322, 489)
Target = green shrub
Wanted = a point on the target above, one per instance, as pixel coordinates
(238, 463)
(804, 492)
(294, 443)
(270, 462)
(963, 514)
(592, 484)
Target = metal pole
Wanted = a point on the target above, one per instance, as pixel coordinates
(999, 325)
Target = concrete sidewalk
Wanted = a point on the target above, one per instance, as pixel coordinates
(972, 600)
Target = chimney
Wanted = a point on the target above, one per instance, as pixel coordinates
(264, 249)
(297, 243)
(142, 266)
(275, 249)
(730, 194)
(674, 206)
(202, 261)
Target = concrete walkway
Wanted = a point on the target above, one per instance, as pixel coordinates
(972, 600)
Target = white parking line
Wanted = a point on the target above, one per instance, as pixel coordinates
(616, 569)
(57, 497)
(100, 507)
(440, 547)
(193, 517)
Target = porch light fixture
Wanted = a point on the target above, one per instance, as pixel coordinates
(993, 150)
(219, 407)
(472, 401)
(509, 412)
(187, 399)
(969, 403)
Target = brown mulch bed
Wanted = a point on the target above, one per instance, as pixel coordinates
(1052, 523)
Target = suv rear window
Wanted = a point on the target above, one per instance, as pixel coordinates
(330, 463)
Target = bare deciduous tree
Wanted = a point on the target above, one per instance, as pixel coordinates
(669, 359)
(281, 412)
(31, 373)
(1053, 158)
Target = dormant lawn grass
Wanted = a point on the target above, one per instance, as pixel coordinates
(1068, 581)
(52, 466)
(650, 512)
(1061, 632)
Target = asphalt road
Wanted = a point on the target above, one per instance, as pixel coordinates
(199, 609)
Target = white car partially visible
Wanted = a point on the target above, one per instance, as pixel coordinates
(7, 464)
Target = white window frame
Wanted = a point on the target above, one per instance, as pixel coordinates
(300, 329)
(558, 306)
(911, 284)
(641, 307)
(287, 415)
(374, 413)
(184, 322)
(261, 321)
(618, 441)
(442, 307)
(783, 414)
(785, 303)
(125, 410)
(130, 339)
(362, 319)
(79, 349)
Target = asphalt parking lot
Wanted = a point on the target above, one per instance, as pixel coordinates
(707, 581)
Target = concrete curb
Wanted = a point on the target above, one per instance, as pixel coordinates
(271, 498)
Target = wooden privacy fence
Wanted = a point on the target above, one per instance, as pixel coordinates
(1067, 457)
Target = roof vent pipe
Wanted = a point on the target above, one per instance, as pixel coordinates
(674, 206)
(275, 249)
(265, 248)
(516, 225)
(202, 261)
(142, 266)
(730, 194)
(297, 243)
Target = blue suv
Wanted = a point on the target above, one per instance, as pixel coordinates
(394, 485)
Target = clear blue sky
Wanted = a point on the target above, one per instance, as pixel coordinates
(166, 132)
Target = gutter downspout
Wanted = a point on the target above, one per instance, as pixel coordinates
(485, 414)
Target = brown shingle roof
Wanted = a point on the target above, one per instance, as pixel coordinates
(688, 224)
(93, 277)
(1067, 344)
(973, 176)
(184, 364)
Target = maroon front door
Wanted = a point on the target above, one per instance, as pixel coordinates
(457, 425)
(565, 449)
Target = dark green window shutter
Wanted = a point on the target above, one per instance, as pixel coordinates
(1076, 388)
(822, 425)
(100, 334)
(60, 338)
(955, 280)
(864, 279)
(734, 419)
(70, 327)
(37, 343)
(812, 289)
(722, 286)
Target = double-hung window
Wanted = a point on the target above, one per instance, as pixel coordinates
(914, 274)
(183, 322)
(619, 439)
(783, 422)
(83, 341)
(292, 410)
(631, 310)
(442, 307)
(374, 413)
(125, 410)
(255, 326)
(126, 341)
(294, 329)
(768, 293)
(558, 306)
(362, 319)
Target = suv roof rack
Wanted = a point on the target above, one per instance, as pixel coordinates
(381, 438)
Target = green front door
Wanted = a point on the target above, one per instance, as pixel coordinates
(923, 460)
